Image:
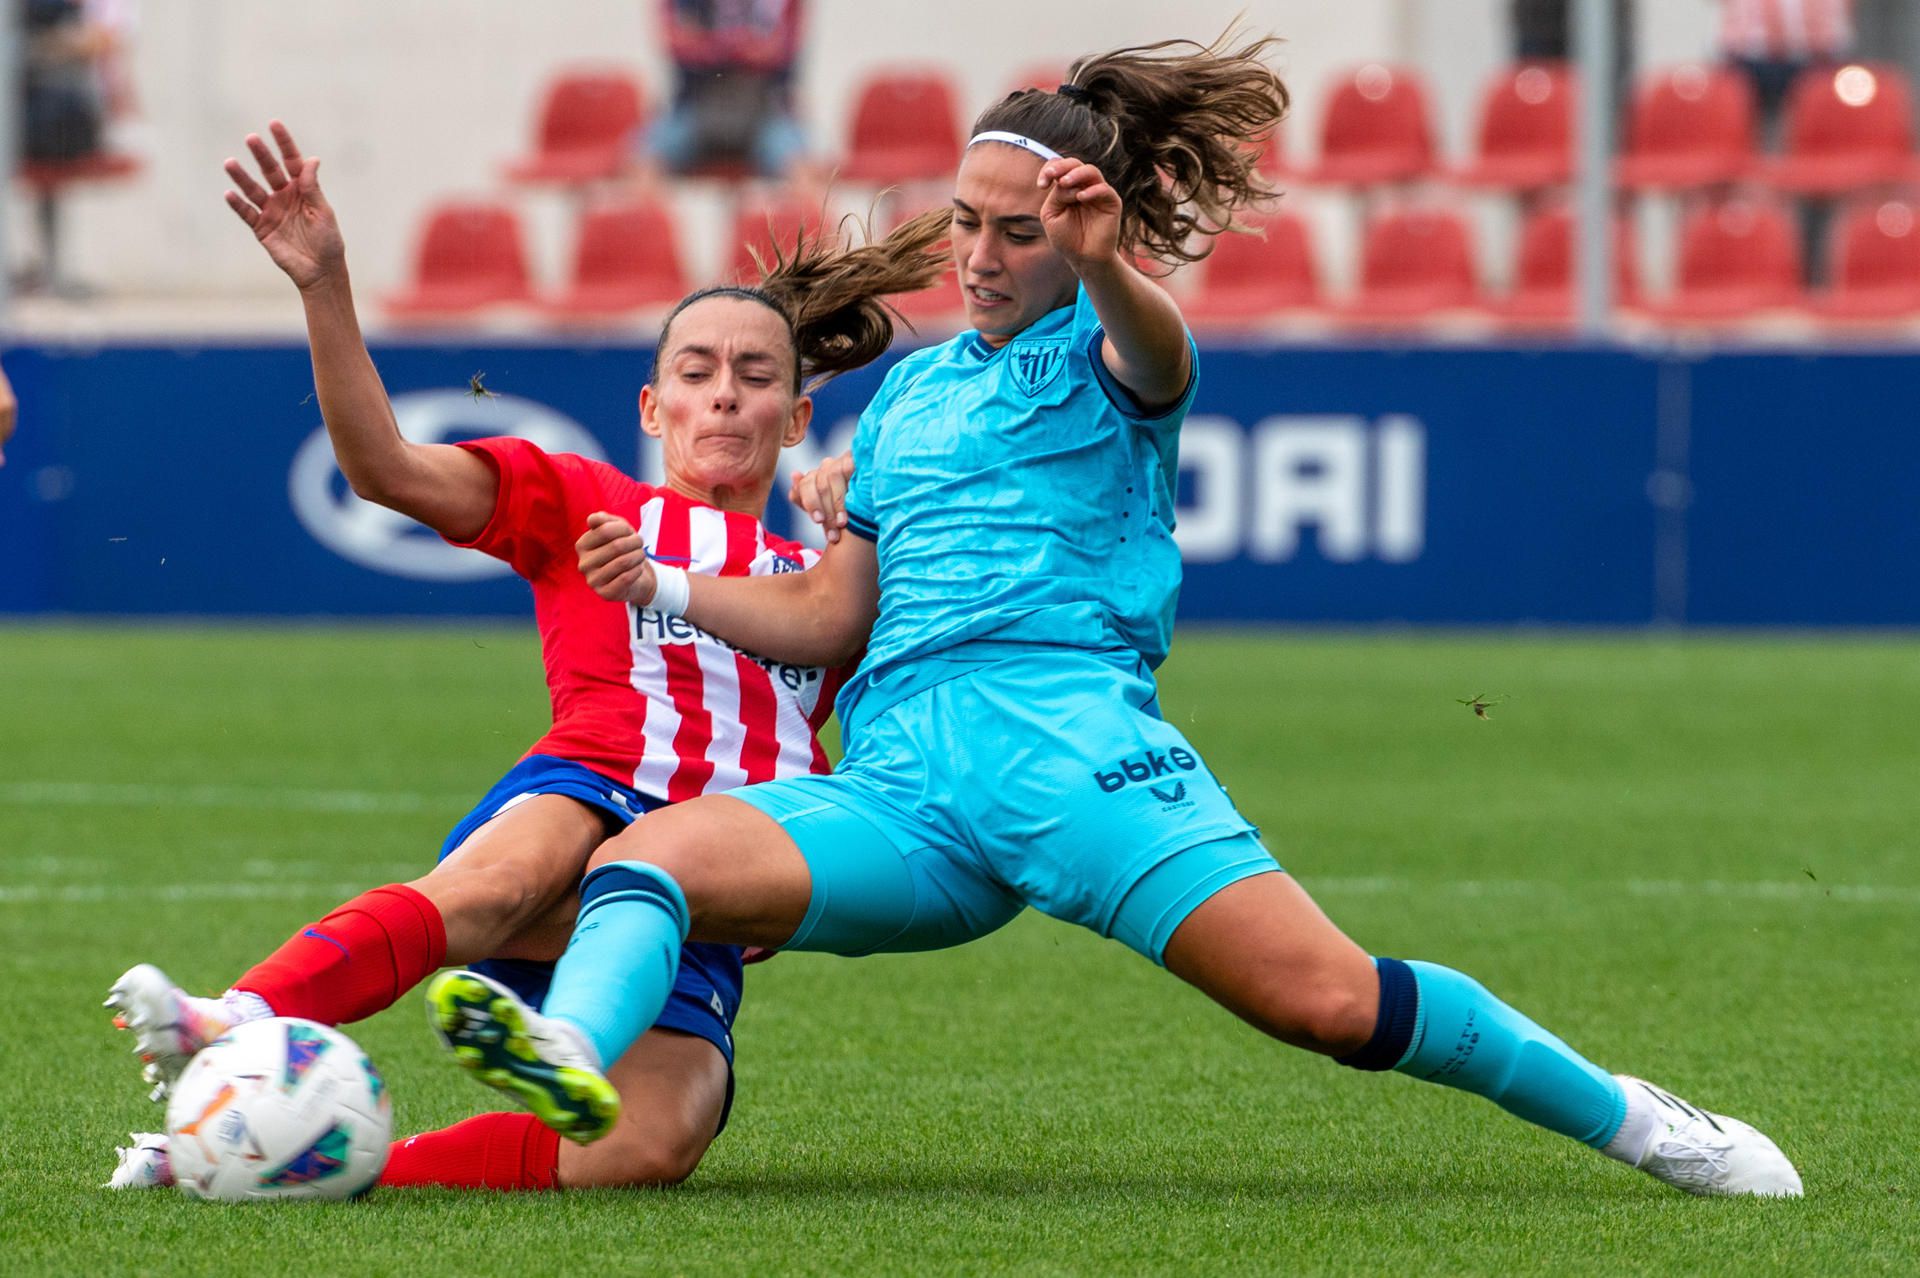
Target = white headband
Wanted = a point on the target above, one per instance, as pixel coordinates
(1014, 139)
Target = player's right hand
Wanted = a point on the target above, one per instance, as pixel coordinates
(822, 493)
(614, 560)
(289, 215)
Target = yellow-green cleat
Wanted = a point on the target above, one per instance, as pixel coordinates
(544, 1064)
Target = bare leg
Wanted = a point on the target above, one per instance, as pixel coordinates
(1263, 950)
(672, 1088)
(511, 871)
(745, 881)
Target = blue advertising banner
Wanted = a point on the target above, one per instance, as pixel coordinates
(1477, 486)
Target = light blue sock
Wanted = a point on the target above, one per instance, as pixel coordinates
(1465, 1037)
(621, 964)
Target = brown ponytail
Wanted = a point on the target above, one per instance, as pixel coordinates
(1175, 127)
(831, 295)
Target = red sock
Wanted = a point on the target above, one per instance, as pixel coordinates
(356, 961)
(492, 1151)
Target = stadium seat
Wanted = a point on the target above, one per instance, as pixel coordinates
(470, 258)
(1248, 278)
(1738, 257)
(1847, 128)
(1544, 283)
(626, 258)
(586, 130)
(1413, 263)
(1876, 267)
(761, 224)
(1689, 126)
(1376, 128)
(905, 129)
(1525, 137)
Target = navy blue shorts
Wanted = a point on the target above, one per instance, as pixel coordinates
(706, 996)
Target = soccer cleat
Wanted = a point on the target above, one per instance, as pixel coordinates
(168, 1025)
(541, 1062)
(143, 1165)
(1697, 1151)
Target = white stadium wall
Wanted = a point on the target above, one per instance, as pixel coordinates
(410, 101)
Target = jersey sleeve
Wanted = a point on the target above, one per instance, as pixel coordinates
(530, 515)
(1128, 403)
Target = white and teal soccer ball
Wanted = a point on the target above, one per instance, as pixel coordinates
(278, 1108)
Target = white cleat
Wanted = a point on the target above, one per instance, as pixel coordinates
(144, 1165)
(168, 1024)
(1697, 1151)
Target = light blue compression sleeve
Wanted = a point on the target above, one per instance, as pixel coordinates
(620, 966)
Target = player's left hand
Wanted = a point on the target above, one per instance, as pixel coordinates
(822, 493)
(1081, 215)
(614, 560)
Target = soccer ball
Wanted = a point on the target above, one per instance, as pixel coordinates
(278, 1108)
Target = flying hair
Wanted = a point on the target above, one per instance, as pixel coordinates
(832, 293)
(1175, 127)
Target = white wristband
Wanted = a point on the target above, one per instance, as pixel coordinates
(670, 590)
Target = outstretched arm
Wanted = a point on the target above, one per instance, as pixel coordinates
(448, 489)
(820, 617)
(1146, 345)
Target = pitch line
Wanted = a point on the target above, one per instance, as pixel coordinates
(1808, 892)
(93, 794)
(123, 893)
(1379, 885)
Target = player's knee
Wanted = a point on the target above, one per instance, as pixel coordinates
(1327, 1012)
(649, 1151)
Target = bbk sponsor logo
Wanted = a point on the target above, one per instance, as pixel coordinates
(1159, 770)
(651, 626)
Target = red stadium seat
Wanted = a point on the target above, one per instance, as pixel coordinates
(1525, 139)
(763, 224)
(1376, 129)
(1738, 257)
(1847, 128)
(586, 131)
(1876, 269)
(1413, 263)
(626, 258)
(1544, 283)
(906, 128)
(1690, 126)
(1248, 278)
(470, 258)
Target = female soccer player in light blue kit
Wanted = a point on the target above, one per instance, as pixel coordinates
(1011, 515)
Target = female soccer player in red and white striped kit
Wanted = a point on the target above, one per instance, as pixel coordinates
(647, 709)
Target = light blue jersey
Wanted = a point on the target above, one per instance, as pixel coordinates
(1019, 498)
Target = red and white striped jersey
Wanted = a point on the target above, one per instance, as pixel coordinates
(651, 701)
(1786, 30)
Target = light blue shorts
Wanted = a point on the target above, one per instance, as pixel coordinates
(1044, 779)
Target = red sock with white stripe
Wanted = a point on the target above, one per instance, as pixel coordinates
(491, 1151)
(356, 961)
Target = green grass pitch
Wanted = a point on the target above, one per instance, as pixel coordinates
(1696, 859)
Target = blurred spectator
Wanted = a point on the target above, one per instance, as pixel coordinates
(61, 111)
(1543, 29)
(1774, 40)
(111, 25)
(734, 66)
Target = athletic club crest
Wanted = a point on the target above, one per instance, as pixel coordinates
(1037, 362)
